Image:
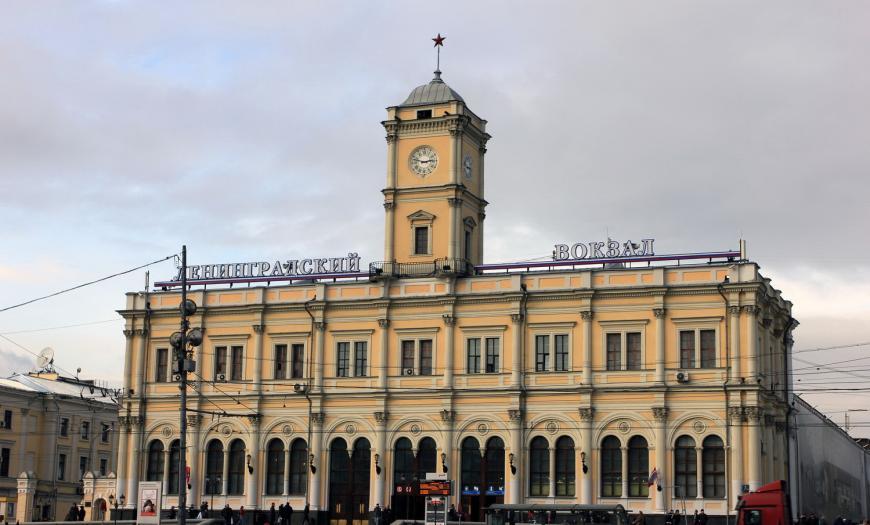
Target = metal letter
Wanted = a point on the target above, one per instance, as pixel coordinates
(595, 250)
(335, 265)
(561, 252)
(264, 268)
(320, 265)
(648, 247)
(306, 266)
(194, 272)
(579, 251)
(628, 249)
(276, 269)
(612, 248)
(354, 262)
(206, 271)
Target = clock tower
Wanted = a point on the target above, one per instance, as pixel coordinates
(434, 198)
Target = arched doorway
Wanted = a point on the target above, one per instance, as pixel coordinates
(349, 476)
(98, 510)
(408, 470)
(482, 478)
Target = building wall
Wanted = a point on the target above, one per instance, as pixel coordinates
(585, 402)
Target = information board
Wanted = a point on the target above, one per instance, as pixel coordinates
(436, 488)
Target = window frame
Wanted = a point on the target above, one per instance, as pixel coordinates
(360, 365)
(691, 467)
(623, 328)
(280, 352)
(550, 331)
(484, 334)
(421, 219)
(566, 464)
(539, 467)
(637, 477)
(697, 325)
(417, 335)
(610, 482)
(351, 338)
(291, 340)
(161, 365)
(709, 470)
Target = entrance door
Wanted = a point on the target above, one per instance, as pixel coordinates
(349, 482)
(482, 478)
(408, 470)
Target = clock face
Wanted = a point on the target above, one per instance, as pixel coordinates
(466, 164)
(423, 160)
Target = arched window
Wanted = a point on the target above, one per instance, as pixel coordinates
(155, 461)
(685, 468)
(426, 457)
(362, 452)
(339, 468)
(539, 467)
(495, 464)
(713, 460)
(403, 461)
(275, 467)
(174, 448)
(611, 468)
(470, 464)
(565, 466)
(298, 466)
(236, 482)
(214, 467)
(638, 467)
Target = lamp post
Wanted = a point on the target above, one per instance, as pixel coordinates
(114, 503)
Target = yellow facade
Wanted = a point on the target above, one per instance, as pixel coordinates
(391, 361)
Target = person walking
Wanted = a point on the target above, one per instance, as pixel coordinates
(227, 514)
(640, 519)
(288, 512)
(272, 514)
(702, 518)
(306, 520)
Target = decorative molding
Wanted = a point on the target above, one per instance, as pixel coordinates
(166, 431)
(318, 417)
(734, 310)
(660, 414)
(415, 429)
(777, 332)
(515, 414)
(586, 414)
(141, 331)
(320, 325)
(382, 417)
(780, 426)
(391, 137)
(552, 426)
(350, 429)
(448, 415)
(255, 419)
(624, 427)
(258, 328)
(517, 318)
(482, 429)
(129, 333)
(586, 315)
(750, 309)
(448, 319)
(287, 430)
(736, 414)
(388, 205)
(454, 202)
(699, 426)
(193, 420)
(768, 420)
(384, 323)
(753, 413)
(659, 313)
(766, 322)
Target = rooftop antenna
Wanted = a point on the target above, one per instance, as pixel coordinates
(147, 279)
(45, 359)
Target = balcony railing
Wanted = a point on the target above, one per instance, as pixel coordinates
(436, 268)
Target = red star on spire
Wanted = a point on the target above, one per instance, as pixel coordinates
(439, 40)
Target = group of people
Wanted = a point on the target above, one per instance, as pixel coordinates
(282, 515)
(673, 517)
(75, 513)
(813, 519)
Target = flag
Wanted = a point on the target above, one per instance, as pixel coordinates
(653, 477)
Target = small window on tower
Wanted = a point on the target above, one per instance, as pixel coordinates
(421, 240)
(424, 113)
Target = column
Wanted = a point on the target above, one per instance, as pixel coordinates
(225, 474)
(142, 334)
(516, 444)
(736, 415)
(389, 234)
(381, 497)
(660, 344)
(389, 207)
(165, 479)
(699, 477)
(319, 327)
(624, 451)
(586, 417)
(286, 490)
(450, 461)
(258, 356)
(314, 495)
(453, 231)
(552, 470)
(752, 336)
(22, 439)
(455, 136)
(193, 458)
(586, 315)
(449, 349)
(252, 487)
(734, 319)
(660, 414)
(384, 365)
(517, 364)
(135, 424)
(128, 362)
(753, 415)
(480, 215)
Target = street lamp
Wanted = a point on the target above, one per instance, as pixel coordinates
(114, 503)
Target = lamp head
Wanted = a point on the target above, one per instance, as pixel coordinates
(175, 340)
(194, 336)
(188, 307)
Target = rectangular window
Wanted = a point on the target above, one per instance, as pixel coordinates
(342, 360)
(473, 356)
(64, 427)
(424, 113)
(687, 349)
(297, 360)
(83, 466)
(220, 362)
(280, 361)
(162, 368)
(7, 419)
(492, 355)
(542, 353)
(467, 245)
(561, 344)
(426, 357)
(614, 351)
(632, 351)
(421, 240)
(104, 435)
(360, 359)
(61, 466)
(236, 371)
(407, 357)
(104, 466)
(4, 463)
(708, 348)
(86, 429)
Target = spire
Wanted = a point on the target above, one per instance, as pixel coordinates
(439, 43)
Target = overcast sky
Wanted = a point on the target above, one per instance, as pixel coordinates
(129, 128)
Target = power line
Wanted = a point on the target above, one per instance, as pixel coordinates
(90, 323)
(101, 279)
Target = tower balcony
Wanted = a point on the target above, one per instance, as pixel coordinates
(438, 268)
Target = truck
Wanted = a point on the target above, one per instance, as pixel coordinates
(769, 505)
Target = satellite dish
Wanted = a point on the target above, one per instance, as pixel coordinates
(45, 357)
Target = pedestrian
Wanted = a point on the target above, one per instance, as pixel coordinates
(695, 518)
(288, 512)
(242, 515)
(640, 519)
(81, 513)
(227, 514)
(677, 517)
(306, 520)
(377, 514)
(452, 515)
(172, 513)
(272, 514)
(702, 518)
(72, 514)
(669, 517)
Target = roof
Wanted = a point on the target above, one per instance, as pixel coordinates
(69, 387)
(435, 92)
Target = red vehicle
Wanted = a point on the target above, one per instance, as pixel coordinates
(769, 505)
